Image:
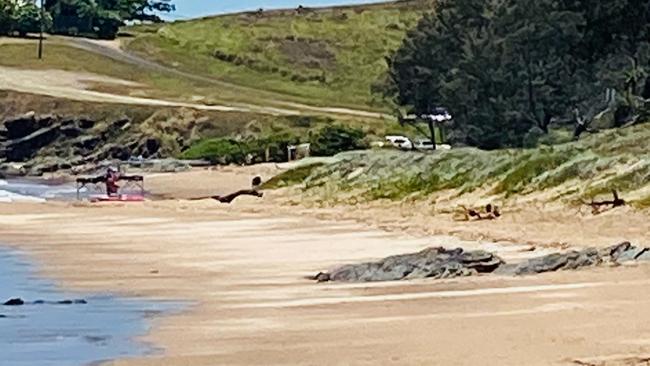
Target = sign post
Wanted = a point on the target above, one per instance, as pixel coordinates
(40, 38)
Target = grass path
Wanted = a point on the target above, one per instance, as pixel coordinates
(230, 97)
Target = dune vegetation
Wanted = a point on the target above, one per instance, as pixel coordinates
(617, 159)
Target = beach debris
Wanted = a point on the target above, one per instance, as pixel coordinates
(442, 263)
(19, 302)
(489, 212)
(598, 207)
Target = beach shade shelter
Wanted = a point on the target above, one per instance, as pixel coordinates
(435, 120)
(297, 152)
(133, 183)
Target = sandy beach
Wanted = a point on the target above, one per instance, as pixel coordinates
(242, 267)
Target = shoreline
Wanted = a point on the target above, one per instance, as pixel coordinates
(68, 325)
(244, 273)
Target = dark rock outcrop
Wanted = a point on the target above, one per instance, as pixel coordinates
(49, 164)
(14, 302)
(554, 262)
(85, 123)
(429, 263)
(48, 143)
(20, 126)
(11, 170)
(26, 147)
(71, 131)
(623, 252)
(19, 302)
(443, 263)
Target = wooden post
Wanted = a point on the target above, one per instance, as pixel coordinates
(40, 38)
(433, 133)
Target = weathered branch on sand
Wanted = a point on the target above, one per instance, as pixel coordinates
(244, 192)
(597, 206)
(231, 197)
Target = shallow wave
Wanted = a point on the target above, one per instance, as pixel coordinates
(8, 197)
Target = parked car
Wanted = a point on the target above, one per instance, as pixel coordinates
(400, 142)
(423, 144)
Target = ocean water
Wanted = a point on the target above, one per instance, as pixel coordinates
(49, 334)
(34, 191)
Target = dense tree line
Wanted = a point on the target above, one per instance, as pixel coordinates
(508, 69)
(93, 18)
(21, 17)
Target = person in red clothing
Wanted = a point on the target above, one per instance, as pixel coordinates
(112, 177)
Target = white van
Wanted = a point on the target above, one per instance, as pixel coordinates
(423, 144)
(400, 142)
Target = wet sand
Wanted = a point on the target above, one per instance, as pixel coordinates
(244, 268)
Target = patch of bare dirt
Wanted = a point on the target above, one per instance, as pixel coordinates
(309, 53)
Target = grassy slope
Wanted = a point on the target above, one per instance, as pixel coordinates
(167, 86)
(345, 47)
(592, 167)
(155, 84)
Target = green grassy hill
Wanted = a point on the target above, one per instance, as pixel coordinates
(322, 56)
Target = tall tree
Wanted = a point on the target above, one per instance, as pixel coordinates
(102, 17)
(507, 67)
(22, 17)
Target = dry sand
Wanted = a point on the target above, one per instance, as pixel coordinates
(243, 267)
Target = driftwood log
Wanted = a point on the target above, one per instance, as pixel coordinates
(601, 206)
(256, 182)
(230, 197)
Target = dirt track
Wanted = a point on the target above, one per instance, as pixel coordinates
(30, 81)
(76, 86)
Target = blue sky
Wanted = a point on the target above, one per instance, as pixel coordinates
(198, 8)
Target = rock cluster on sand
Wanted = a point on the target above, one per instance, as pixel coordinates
(442, 263)
(429, 263)
(575, 259)
(20, 302)
(14, 302)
